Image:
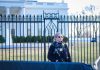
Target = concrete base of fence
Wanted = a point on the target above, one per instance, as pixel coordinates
(24, 65)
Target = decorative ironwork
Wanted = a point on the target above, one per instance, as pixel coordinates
(51, 15)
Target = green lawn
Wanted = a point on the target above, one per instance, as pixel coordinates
(80, 52)
(86, 52)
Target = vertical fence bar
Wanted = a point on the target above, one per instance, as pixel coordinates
(81, 39)
(2, 50)
(77, 39)
(16, 36)
(20, 35)
(95, 18)
(23, 19)
(47, 38)
(71, 23)
(64, 25)
(58, 23)
(38, 36)
(0, 38)
(5, 38)
(90, 40)
(87, 40)
(8, 35)
(61, 24)
(12, 18)
(99, 33)
(27, 34)
(78, 42)
(68, 30)
(40, 32)
(1, 29)
(84, 39)
(44, 41)
(34, 40)
(74, 54)
(92, 18)
(1, 45)
(30, 37)
(41, 38)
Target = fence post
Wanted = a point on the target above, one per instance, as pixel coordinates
(44, 39)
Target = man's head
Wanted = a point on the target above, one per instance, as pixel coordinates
(58, 37)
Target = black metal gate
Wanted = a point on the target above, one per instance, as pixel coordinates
(27, 38)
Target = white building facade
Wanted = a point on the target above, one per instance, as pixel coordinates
(28, 7)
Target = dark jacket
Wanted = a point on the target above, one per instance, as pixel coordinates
(59, 53)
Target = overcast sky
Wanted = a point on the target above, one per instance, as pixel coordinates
(77, 5)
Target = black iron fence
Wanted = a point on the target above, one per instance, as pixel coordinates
(27, 38)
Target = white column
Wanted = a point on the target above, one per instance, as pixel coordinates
(25, 25)
(8, 37)
(23, 11)
(7, 11)
(8, 33)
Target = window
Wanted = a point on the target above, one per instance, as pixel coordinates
(29, 32)
(13, 32)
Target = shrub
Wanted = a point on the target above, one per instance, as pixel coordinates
(2, 39)
(66, 39)
(22, 39)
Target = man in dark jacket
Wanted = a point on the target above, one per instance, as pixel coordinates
(57, 51)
